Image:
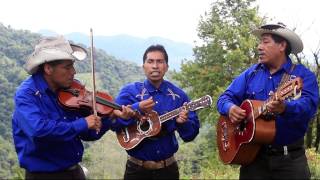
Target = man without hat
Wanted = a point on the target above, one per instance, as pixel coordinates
(48, 138)
(285, 156)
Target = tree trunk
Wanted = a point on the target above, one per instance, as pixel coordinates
(309, 135)
(316, 143)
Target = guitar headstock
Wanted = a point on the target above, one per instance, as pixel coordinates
(290, 90)
(200, 103)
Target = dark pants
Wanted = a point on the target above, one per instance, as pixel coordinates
(76, 173)
(277, 165)
(134, 171)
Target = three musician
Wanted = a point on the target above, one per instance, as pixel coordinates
(48, 138)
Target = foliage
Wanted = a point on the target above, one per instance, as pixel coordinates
(8, 161)
(314, 163)
(16, 44)
(105, 159)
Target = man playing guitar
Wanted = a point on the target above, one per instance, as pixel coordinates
(154, 158)
(285, 156)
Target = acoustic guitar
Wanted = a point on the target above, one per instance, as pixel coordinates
(131, 136)
(240, 143)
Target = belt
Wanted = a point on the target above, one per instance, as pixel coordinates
(152, 164)
(282, 150)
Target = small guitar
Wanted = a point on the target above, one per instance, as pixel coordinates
(131, 136)
(240, 143)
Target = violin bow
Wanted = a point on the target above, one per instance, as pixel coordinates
(94, 106)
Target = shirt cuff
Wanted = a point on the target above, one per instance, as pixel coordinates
(135, 107)
(226, 108)
(80, 125)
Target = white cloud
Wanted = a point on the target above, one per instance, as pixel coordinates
(173, 19)
(301, 15)
(176, 20)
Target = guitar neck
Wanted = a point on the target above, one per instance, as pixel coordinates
(262, 109)
(172, 114)
(200, 103)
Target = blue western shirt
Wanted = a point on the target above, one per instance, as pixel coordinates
(47, 138)
(256, 83)
(168, 97)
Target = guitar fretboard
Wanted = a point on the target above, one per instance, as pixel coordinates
(171, 114)
(191, 106)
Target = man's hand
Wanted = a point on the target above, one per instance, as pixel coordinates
(126, 112)
(183, 117)
(146, 105)
(94, 122)
(236, 114)
(277, 106)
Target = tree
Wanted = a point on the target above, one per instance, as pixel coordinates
(228, 48)
(316, 54)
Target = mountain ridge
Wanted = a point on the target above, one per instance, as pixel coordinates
(131, 48)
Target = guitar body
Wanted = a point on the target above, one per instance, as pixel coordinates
(240, 143)
(131, 136)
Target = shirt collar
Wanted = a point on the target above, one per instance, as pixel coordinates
(40, 82)
(285, 67)
(151, 88)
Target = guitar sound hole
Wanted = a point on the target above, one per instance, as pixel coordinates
(145, 126)
(242, 125)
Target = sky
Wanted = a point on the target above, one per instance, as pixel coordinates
(173, 19)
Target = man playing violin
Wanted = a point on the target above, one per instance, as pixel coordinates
(47, 137)
(153, 157)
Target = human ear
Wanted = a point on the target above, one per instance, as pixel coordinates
(47, 69)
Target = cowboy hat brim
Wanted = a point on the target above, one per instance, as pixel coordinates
(50, 54)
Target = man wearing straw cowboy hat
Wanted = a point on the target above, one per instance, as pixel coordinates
(48, 138)
(285, 156)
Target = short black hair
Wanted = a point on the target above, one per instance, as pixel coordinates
(156, 47)
(51, 63)
(279, 39)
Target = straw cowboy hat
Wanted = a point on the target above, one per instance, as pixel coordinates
(281, 30)
(51, 49)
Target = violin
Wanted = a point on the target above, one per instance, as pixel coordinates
(77, 97)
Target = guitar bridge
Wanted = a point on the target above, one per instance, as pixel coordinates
(224, 139)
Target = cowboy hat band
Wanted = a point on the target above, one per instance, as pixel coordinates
(51, 49)
(280, 30)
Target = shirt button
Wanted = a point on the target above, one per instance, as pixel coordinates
(64, 117)
(78, 154)
(270, 77)
(158, 152)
